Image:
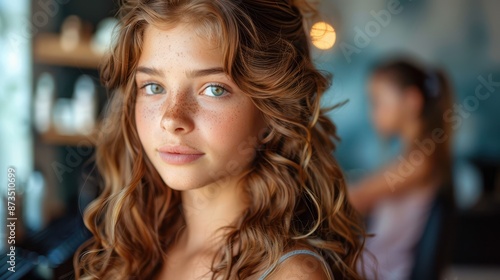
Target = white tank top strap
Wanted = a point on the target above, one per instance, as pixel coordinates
(293, 253)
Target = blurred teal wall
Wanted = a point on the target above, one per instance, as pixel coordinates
(460, 36)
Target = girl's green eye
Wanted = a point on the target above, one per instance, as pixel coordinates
(215, 91)
(153, 89)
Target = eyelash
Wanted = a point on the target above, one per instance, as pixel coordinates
(227, 92)
(145, 84)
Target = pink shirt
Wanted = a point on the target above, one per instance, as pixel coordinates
(398, 223)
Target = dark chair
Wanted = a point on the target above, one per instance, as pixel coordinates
(432, 252)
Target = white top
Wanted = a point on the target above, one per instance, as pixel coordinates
(398, 223)
(292, 253)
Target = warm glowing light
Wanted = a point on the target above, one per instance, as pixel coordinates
(323, 35)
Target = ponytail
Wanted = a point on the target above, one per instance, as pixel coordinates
(437, 94)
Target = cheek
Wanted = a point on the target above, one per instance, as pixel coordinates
(388, 117)
(222, 128)
(234, 132)
(147, 117)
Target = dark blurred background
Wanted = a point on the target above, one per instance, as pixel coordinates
(49, 55)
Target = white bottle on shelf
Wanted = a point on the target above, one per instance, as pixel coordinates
(64, 117)
(104, 37)
(71, 33)
(84, 105)
(34, 202)
(44, 99)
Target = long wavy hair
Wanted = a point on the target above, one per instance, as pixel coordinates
(294, 182)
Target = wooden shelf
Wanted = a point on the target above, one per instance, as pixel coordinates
(54, 137)
(48, 50)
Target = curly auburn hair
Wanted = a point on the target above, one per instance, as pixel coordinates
(294, 182)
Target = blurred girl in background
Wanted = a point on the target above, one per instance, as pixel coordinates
(409, 102)
(215, 155)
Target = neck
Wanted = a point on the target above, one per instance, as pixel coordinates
(208, 209)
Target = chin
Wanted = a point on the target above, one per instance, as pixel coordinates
(183, 183)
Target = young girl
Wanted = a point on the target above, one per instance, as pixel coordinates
(215, 155)
(409, 102)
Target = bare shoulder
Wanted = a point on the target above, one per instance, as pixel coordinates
(300, 266)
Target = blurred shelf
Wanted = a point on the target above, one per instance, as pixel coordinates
(54, 137)
(48, 50)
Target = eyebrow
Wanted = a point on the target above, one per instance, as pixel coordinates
(205, 72)
(149, 71)
(190, 74)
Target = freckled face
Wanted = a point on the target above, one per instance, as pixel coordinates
(195, 124)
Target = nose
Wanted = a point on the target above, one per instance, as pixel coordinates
(178, 113)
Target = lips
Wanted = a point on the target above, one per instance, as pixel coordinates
(179, 154)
